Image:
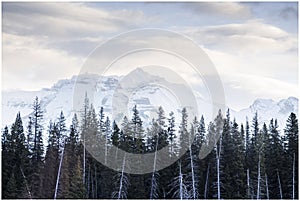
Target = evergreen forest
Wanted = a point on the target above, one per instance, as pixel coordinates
(248, 161)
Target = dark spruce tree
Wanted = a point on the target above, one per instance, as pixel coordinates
(36, 148)
(6, 154)
(22, 163)
(172, 135)
(291, 164)
(15, 162)
(228, 148)
(137, 145)
(51, 162)
(274, 159)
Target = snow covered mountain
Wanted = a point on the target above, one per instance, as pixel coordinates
(267, 109)
(101, 90)
(60, 98)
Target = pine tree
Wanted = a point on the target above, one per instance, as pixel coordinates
(137, 145)
(214, 159)
(61, 125)
(291, 132)
(247, 145)
(137, 124)
(37, 150)
(178, 186)
(21, 156)
(262, 144)
(15, 162)
(11, 191)
(192, 167)
(291, 162)
(107, 138)
(74, 139)
(161, 118)
(76, 185)
(171, 134)
(219, 153)
(248, 162)
(117, 138)
(228, 149)
(155, 175)
(274, 158)
(198, 144)
(64, 176)
(30, 142)
(8, 162)
(92, 133)
(101, 120)
(126, 126)
(77, 188)
(233, 161)
(200, 138)
(121, 183)
(183, 132)
(252, 155)
(239, 161)
(154, 141)
(37, 117)
(84, 133)
(51, 162)
(6, 157)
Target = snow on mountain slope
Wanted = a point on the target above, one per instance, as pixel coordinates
(267, 109)
(15, 101)
(60, 98)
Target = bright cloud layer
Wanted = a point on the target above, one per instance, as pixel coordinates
(254, 46)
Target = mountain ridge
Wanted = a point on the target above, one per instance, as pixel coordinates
(58, 98)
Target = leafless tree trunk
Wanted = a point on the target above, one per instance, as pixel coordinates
(218, 155)
(267, 187)
(294, 177)
(206, 183)
(258, 180)
(248, 184)
(59, 170)
(153, 190)
(279, 185)
(27, 188)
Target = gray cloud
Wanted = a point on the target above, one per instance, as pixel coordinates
(250, 37)
(52, 40)
(65, 19)
(230, 10)
(72, 27)
(289, 13)
(77, 47)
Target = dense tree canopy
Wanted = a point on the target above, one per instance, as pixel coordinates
(250, 160)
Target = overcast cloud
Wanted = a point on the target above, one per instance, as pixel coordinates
(231, 10)
(254, 46)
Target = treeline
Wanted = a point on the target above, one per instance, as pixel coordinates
(247, 161)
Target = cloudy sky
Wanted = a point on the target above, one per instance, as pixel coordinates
(254, 46)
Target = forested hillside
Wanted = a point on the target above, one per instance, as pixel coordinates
(248, 161)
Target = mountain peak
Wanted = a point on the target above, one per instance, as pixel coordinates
(267, 109)
(261, 104)
(263, 101)
(59, 97)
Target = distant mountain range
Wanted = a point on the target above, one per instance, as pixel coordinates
(268, 109)
(147, 98)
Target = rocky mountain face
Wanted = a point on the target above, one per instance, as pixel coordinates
(60, 97)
